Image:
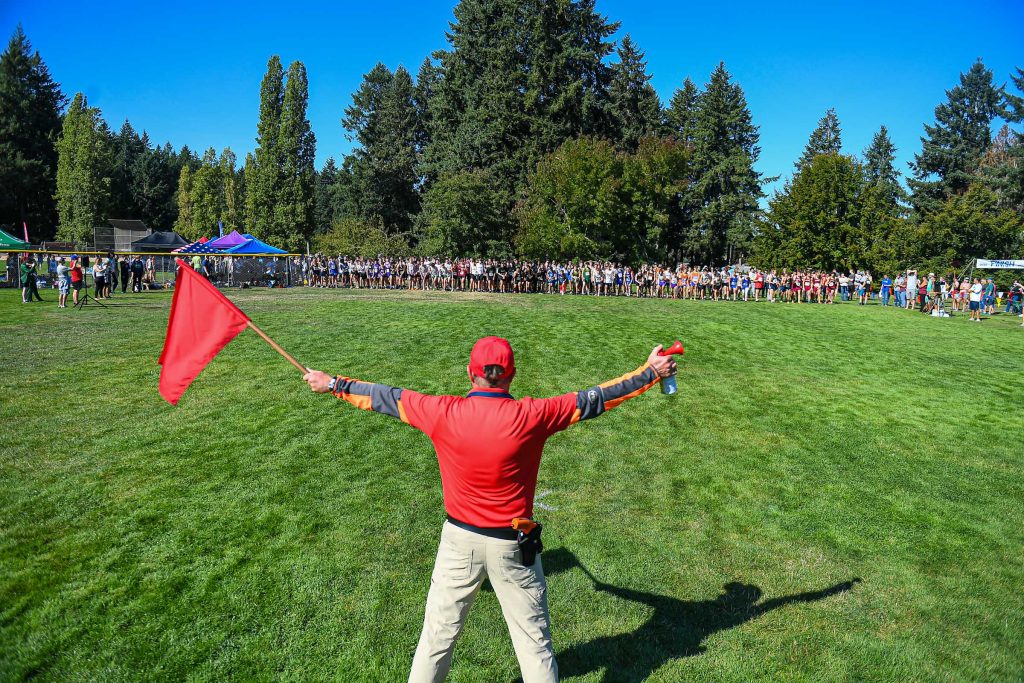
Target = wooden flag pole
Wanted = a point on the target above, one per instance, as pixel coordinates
(299, 366)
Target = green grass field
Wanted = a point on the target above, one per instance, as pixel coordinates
(260, 532)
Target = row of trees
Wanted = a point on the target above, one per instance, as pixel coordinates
(101, 174)
(533, 133)
(965, 199)
(65, 171)
(526, 136)
(66, 166)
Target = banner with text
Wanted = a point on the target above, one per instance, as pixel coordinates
(1017, 264)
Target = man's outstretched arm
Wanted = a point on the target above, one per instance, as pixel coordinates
(599, 399)
(411, 407)
(379, 398)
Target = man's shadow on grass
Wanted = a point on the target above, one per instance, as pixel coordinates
(676, 628)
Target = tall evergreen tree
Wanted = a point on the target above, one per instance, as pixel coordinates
(1004, 164)
(681, 119)
(185, 224)
(264, 175)
(567, 79)
(727, 187)
(325, 196)
(954, 145)
(826, 139)
(233, 208)
(382, 118)
(477, 113)
(426, 85)
(207, 196)
(635, 107)
(83, 171)
(880, 168)
(30, 122)
(127, 147)
(816, 220)
(153, 186)
(681, 115)
(518, 78)
(294, 211)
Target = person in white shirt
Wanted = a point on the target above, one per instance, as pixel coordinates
(911, 288)
(976, 289)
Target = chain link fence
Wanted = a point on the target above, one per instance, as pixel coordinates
(143, 271)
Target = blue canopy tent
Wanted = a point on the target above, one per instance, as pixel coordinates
(254, 246)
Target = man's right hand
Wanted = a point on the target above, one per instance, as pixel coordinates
(665, 366)
(318, 381)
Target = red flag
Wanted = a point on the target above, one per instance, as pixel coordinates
(201, 323)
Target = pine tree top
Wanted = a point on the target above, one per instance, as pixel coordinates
(826, 139)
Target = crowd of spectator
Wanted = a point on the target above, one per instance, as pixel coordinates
(68, 275)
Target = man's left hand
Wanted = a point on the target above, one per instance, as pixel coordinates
(318, 381)
(663, 365)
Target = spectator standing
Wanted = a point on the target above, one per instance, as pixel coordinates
(77, 278)
(1013, 298)
(976, 293)
(99, 278)
(27, 278)
(886, 289)
(63, 283)
(138, 269)
(122, 263)
(111, 274)
(911, 288)
(990, 297)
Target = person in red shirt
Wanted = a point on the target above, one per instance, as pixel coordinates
(77, 278)
(489, 446)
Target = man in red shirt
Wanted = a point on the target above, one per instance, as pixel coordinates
(489, 446)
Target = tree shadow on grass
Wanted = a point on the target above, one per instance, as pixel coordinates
(676, 628)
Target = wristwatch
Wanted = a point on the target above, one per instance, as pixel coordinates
(332, 384)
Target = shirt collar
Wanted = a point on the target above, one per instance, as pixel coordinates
(489, 392)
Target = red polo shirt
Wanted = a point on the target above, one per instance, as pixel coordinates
(488, 443)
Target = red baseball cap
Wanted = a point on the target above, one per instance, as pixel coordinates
(492, 351)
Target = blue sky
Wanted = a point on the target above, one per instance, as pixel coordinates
(189, 72)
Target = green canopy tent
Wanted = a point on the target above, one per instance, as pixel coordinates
(10, 273)
(9, 241)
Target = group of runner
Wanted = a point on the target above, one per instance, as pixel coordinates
(604, 278)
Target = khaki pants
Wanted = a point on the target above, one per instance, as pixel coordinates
(464, 559)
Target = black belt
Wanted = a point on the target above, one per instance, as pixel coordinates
(505, 533)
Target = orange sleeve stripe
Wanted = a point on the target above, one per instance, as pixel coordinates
(608, 405)
(628, 375)
(364, 402)
(401, 413)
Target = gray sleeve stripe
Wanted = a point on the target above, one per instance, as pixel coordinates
(384, 399)
(590, 402)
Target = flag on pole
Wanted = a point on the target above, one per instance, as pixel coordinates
(201, 323)
(220, 226)
(24, 224)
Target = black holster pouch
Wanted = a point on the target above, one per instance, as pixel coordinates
(530, 545)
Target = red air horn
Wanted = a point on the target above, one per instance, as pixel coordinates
(668, 384)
